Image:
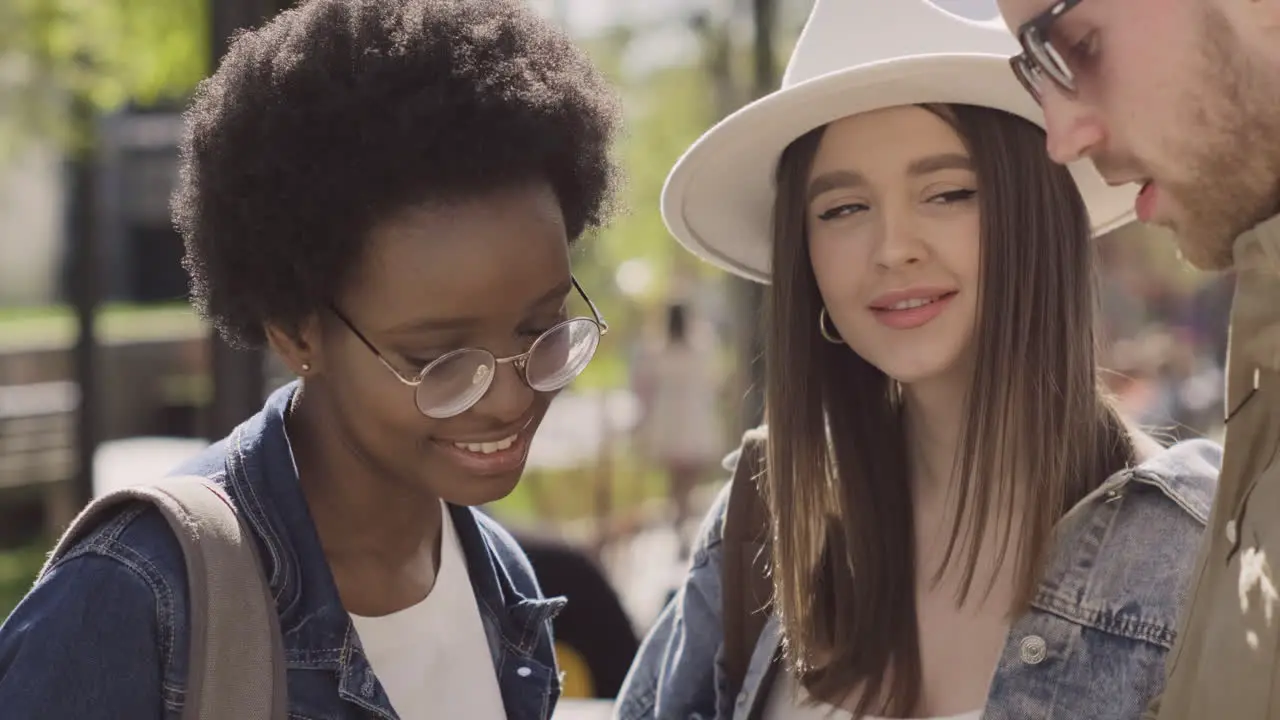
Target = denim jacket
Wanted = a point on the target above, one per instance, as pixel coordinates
(104, 635)
(1092, 645)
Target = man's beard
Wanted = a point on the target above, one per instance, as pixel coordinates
(1232, 153)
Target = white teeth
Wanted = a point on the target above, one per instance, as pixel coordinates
(487, 448)
(909, 304)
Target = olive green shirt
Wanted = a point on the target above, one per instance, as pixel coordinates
(1226, 663)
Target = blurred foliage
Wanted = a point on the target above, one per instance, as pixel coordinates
(18, 569)
(103, 53)
(551, 497)
(666, 111)
(56, 325)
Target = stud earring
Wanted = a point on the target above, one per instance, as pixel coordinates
(306, 367)
(831, 336)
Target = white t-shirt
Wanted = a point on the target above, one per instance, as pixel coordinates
(788, 701)
(433, 658)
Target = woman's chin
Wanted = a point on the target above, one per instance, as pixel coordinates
(919, 372)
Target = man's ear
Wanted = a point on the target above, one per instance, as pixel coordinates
(297, 347)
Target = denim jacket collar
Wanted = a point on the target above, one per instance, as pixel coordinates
(1178, 472)
(262, 479)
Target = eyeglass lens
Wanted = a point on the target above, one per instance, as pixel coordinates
(1028, 75)
(455, 382)
(1048, 61)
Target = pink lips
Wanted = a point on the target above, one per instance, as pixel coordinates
(1145, 204)
(498, 462)
(922, 306)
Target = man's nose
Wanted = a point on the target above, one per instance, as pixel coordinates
(1073, 130)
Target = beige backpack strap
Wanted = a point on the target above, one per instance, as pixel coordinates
(236, 668)
(746, 589)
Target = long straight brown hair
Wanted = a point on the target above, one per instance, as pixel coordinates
(1038, 432)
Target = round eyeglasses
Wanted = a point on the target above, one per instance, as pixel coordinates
(453, 383)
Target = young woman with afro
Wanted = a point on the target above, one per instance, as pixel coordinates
(385, 193)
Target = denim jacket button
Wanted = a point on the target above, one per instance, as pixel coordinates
(1231, 532)
(1033, 649)
(524, 672)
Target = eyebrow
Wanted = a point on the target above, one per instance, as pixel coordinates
(457, 323)
(842, 179)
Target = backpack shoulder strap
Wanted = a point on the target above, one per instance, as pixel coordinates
(746, 589)
(236, 667)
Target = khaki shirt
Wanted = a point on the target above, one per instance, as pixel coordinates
(1226, 664)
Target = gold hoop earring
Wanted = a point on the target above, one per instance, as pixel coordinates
(831, 336)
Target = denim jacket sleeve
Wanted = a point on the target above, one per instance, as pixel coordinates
(93, 640)
(83, 645)
(677, 671)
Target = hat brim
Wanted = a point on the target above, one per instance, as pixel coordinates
(718, 199)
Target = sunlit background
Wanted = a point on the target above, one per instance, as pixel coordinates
(106, 375)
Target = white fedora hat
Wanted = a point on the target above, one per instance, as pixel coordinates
(853, 56)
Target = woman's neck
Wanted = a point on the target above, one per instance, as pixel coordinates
(933, 415)
(358, 511)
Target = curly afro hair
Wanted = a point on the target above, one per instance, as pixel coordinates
(338, 113)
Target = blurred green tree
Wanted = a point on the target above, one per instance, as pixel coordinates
(64, 61)
(57, 54)
(667, 109)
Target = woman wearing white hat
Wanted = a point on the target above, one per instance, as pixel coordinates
(957, 523)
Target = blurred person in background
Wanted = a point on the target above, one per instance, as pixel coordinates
(941, 461)
(385, 193)
(1129, 380)
(1150, 397)
(1182, 99)
(1209, 315)
(679, 385)
(1165, 384)
(1120, 294)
